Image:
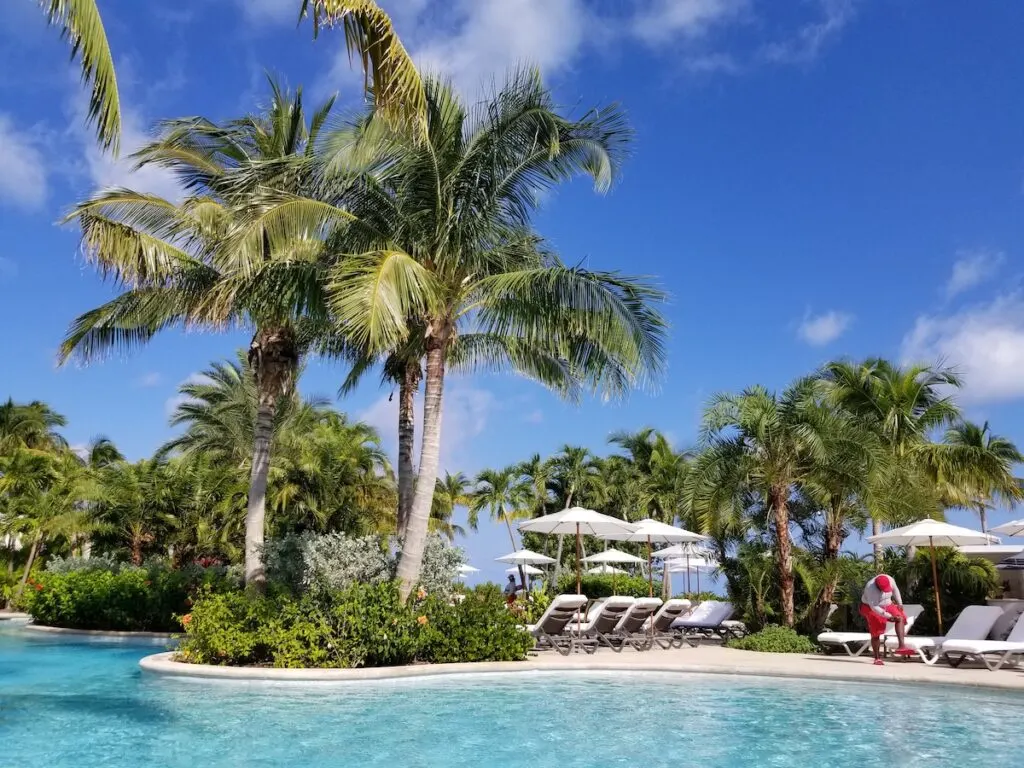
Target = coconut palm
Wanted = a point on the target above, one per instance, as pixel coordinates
(452, 491)
(765, 443)
(975, 468)
(504, 494)
(30, 425)
(246, 249)
(538, 473)
(451, 254)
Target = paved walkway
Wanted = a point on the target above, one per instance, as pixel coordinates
(704, 659)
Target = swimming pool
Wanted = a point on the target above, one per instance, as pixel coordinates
(74, 704)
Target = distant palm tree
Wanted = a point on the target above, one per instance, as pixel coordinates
(975, 468)
(504, 494)
(452, 491)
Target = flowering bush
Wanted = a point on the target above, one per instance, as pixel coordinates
(333, 561)
(128, 599)
(362, 625)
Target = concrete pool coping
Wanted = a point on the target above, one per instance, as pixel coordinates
(103, 635)
(701, 660)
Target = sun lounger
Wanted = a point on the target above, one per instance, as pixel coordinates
(600, 625)
(633, 629)
(709, 619)
(856, 643)
(974, 623)
(994, 654)
(662, 621)
(550, 631)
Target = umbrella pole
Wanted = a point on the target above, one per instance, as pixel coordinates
(650, 573)
(579, 581)
(935, 584)
(688, 590)
(698, 581)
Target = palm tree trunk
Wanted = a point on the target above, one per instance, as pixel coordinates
(984, 519)
(419, 516)
(780, 507)
(255, 514)
(876, 548)
(407, 389)
(32, 552)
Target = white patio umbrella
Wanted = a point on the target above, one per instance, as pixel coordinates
(931, 533)
(693, 564)
(1013, 529)
(654, 532)
(606, 569)
(465, 569)
(576, 521)
(525, 557)
(613, 556)
(529, 570)
(684, 551)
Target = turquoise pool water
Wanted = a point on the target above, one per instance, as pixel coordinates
(65, 705)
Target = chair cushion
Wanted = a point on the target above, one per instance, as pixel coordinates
(1005, 623)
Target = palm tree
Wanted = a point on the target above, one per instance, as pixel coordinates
(452, 255)
(452, 491)
(576, 475)
(225, 256)
(504, 494)
(975, 468)
(538, 473)
(902, 405)
(658, 471)
(761, 442)
(30, 425)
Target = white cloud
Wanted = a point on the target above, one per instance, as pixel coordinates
(105, 170)
(818, 330)
(665, 20)
(149, 379)
(535, 416)
(22, 168)
(467, 411)
(971, 269)
(984, 342)
(807, 42)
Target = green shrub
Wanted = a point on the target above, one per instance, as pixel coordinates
(774, 639)
(363, 625)
(128, 600)
(595, 586)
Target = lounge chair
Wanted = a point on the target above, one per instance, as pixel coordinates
(994, 654)
(600, 625)
(662, 621)
(709, 619)
(550, 631)
(973, 623)
(856, 643)
(633, 629)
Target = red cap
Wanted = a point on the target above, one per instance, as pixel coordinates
(884, 583)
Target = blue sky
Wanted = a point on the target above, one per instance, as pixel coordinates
(810, 179)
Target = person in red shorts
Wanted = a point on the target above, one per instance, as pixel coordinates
(881, 603)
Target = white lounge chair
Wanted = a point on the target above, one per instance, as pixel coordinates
(994, 654)
(708, 619)
(601, 622)
(662, 621)
(633, 629)
(973, 623)
(550, 629)
(856, 643)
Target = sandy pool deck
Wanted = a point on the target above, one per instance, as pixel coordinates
(706, 659)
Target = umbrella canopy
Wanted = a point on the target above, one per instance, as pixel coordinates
(932, 533)
(526, 557)
(1012, 529)
(689, 549)
(612, 556)
(655, 532)
(466, 569)
(576, 520)
(605, 569)
(529, 570)
(694, 564)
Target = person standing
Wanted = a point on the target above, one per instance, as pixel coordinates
(881, 603)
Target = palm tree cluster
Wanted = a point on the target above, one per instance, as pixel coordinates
(187, 502)
(780, 480)
(377, 245)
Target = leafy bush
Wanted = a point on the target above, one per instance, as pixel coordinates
(595, 586)
(334, 561)
(774, 639)
(363, 625)
(133, 599)
(58, 564)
